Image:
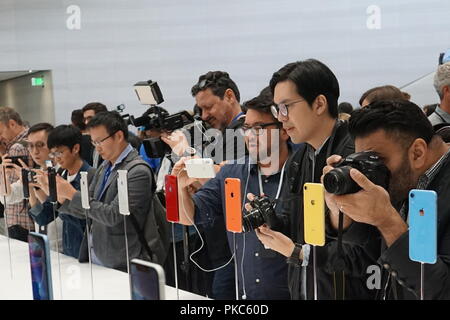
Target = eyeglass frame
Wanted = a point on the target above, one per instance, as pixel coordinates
(279, 108)
(261, 127)
(31, 146)
(99, 143)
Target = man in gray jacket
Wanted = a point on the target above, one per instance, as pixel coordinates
(109, 135)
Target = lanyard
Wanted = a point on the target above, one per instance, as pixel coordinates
(280, 184)
(237, 117)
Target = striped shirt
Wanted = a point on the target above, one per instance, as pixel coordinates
(17, 213)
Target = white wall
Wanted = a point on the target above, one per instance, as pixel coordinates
(34, 104)
(120, 42)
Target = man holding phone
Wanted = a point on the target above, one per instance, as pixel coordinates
(14, 132)
(417, 159)
(64, 142)
(306, 95)
(262, 272)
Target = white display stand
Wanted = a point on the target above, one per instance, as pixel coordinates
(109, 284)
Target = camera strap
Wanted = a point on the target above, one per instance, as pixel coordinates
(338, 275)
(280, 184)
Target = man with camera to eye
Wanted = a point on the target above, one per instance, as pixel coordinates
(404, 141)
(306, 95)
(262, 273)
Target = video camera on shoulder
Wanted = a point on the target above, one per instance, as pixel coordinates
(156, 118)
(338, 181)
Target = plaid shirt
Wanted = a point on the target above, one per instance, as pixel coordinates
(17, 214)
(425, 180)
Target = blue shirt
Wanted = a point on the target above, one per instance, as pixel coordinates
(264, 271)
(153, 162)
(72, 228)
(110, 169)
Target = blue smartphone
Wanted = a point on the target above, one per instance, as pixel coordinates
(41, 272)
(423, 226)
(147, 280)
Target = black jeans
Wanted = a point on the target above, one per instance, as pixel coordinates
(17, 232)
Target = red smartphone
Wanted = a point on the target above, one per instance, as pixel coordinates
(233, 204)
(172, 211)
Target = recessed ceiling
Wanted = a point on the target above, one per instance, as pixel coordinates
(6, 75)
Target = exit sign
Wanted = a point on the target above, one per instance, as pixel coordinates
(37, 81)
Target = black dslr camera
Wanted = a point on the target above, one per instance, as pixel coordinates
(262, 212)
(338, 180)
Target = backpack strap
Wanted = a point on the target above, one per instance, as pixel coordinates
(140, 232)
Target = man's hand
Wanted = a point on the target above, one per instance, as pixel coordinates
(275, 240)
(372, 205)
(179, 170)
(177, 141)
(41, 178)
(64, 189)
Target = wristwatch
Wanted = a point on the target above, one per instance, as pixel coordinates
(295, 256)
(189, 152)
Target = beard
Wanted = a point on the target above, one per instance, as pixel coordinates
(401, 182)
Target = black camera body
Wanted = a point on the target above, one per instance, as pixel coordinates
(262, 212)
(338, 181)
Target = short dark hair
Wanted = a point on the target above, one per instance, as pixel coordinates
(64, 135)
(261, 103)
(39, 127)
(400, 118)
(345, 107)
(96, 106)
(218, 82)
(430, 108)
(77, 119)
(387, 92)
(112, 120)
(311, 78)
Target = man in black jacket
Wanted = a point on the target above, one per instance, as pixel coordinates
(417, 159)
(306, 94)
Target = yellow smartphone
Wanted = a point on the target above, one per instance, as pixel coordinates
(314, 213)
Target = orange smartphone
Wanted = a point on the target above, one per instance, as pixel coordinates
(171, 186)
(233, 204)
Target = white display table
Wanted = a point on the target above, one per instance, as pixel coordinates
(109, 284)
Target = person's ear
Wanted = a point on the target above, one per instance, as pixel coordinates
(320, 105)
(229, 95)
(76, 148)
(417, 153)
(11, 123)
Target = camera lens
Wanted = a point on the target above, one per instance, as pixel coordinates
(252, 220)
(338, 181)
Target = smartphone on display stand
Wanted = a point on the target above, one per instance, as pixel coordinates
(171, 188)
(147, 280)
(233, 205)
(41, 273)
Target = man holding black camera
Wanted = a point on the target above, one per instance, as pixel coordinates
(400, 134)
(306, 95)
(14, 132)
(262, 273)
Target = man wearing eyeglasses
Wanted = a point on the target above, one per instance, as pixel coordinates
(89, 111)
(306, 95)
(109, 135)
(13, 131)
(65, 145)
(262, 273)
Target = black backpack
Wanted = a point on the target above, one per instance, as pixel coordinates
(156, 246)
